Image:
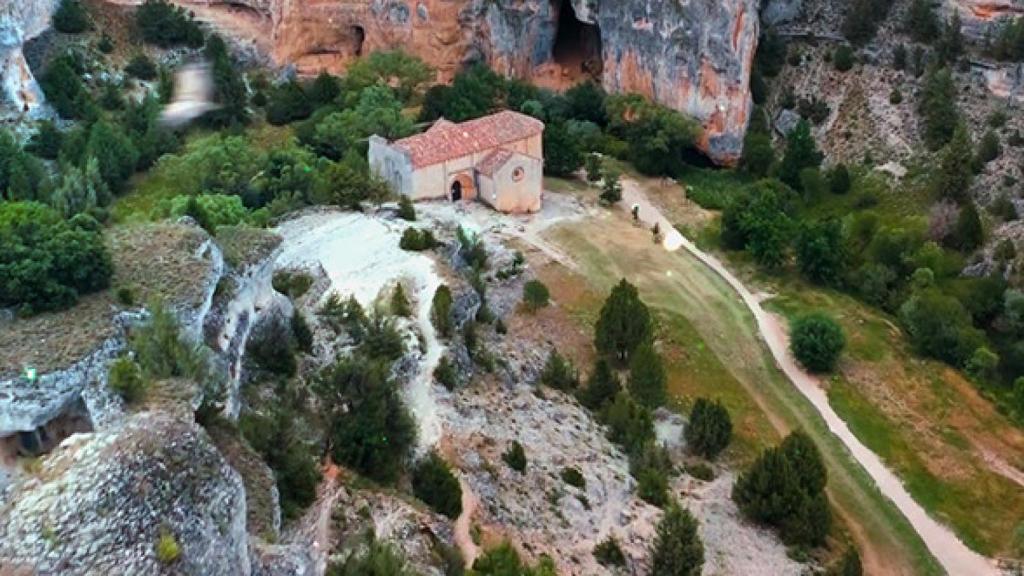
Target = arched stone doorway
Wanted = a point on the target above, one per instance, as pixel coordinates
(461, 188)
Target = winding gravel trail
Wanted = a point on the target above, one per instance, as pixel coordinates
(954, 556)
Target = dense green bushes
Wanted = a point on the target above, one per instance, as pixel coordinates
(784, 488)
(47, 262)
(71, 17)
(166, 25)
(278, 437)
(370, 428)
(677, 549)
(709, 429)
(816, 341)
(434, 483)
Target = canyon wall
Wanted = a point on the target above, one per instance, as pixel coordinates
(20, 21)
(692, 55)
(981, 16)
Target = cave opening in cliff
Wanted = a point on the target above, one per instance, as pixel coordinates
(358, 38)
(577, 46)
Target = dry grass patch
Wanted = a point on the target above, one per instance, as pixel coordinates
(244, 246)
(159, 260)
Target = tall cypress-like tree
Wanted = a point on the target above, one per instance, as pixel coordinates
(647, 377)
(801, 152)
(677, 549)
(921, 22)
(938, 108)
(602, 386)
(955, 174)
(624, 323)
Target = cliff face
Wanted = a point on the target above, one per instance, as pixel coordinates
(20, 20)
(692, 55)
(980, 16)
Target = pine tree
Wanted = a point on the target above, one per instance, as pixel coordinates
(951, 44)
(709, 429)
(968, 233)
(624, 323)
(953, 178)
(594, 168)
(441, 311)
(801, 152)
(938, 108)
(647, 377)
(602, 386)
(677, 549)
(921, 22)
(559, 373)
(399, 303)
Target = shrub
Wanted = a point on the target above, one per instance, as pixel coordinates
(125, 378)
(843, 58)
(415, 240)
(652, 486)
(816, 341)
(535, 295)
(71, 17)
(609, 553)
(291, 284)
(710, 428)
(45, 261)
(167, 549)
(288, 103)
(376, 434)
(515, 457)
(611, 188)
(445, 373)
(784, 488)
(629, 424)
(895, 97)
(377, 558)
(441, 311)
(988, 147)
(382, 340)
(141, 67)
(839, 179)
(106, 44)
(301, 332)
(279, 439)
(166, 25)
(272, 346)
(406, 211)
(559, 373)
(677, 549)
(399, 303)
(700, 471)
(434, 483)
(211, 211)
(573, 477)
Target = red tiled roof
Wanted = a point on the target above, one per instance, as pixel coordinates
(494, 161)
(447, 141)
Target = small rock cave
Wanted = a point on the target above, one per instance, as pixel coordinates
(358, 38)
(33, 443)
(577, 46)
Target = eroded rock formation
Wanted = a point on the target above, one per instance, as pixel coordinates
(20, 21)
(694, 56)
(981, 16)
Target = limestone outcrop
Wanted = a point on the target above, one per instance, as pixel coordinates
(981, 16)
(20, 21)
(694, 56)
(102, 501)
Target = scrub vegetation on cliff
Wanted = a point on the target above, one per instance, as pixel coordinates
(914, 321)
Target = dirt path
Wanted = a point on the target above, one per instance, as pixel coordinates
(954, 556)
(464, 525)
